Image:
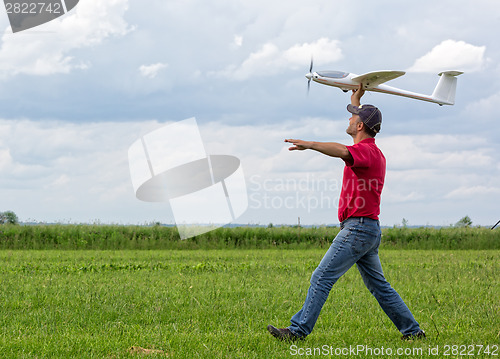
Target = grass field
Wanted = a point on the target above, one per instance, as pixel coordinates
(217, 304)
(91, 236)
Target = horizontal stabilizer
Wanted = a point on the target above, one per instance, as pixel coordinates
(373, 79)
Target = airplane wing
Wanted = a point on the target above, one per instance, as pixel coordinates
(373, 79)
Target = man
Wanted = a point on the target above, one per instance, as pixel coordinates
(359, 237)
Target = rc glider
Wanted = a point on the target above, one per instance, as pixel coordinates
(444, 93)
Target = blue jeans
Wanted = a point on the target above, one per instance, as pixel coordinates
(357, 242)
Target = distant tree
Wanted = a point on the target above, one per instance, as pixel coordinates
(464, 222)
(8, 217)
(404, 222)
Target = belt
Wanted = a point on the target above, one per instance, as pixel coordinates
(359, 220)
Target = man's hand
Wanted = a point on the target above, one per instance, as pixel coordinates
(356, 95)
(299, 145)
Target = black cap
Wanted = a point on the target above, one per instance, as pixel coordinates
(369, 114)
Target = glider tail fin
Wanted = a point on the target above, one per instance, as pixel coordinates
(444, 93)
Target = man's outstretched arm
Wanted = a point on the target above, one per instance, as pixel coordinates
(333, 149)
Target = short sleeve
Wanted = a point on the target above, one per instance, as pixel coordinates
(360, 156)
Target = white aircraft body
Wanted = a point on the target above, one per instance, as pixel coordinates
(444, 93)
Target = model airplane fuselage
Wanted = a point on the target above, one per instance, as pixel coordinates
(444, 93)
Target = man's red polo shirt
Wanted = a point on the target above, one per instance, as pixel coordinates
(363, 181)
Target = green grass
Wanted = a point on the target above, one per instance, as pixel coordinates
(113, 237)
(217, 303)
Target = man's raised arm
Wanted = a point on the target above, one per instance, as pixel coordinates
(356, 95)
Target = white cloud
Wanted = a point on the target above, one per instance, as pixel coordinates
(151, 71)
(472, 192)
(65, 170)
(483, 110)
(436, 151)
(62, 180)
(270, 59)
(238, 40)
(451, 55)
(46, 49)
(392, 196)
(324, 50)
(5, 159)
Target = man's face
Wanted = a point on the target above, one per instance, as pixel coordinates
(352, 129)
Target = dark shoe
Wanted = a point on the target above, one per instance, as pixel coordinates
(418, 335)
(282, 333)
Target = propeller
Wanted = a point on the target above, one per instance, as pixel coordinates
(309, 76)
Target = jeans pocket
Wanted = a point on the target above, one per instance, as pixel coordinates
(363, 241)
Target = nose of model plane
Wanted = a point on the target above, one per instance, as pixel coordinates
(309, 76)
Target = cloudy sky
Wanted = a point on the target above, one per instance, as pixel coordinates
(78, 91)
